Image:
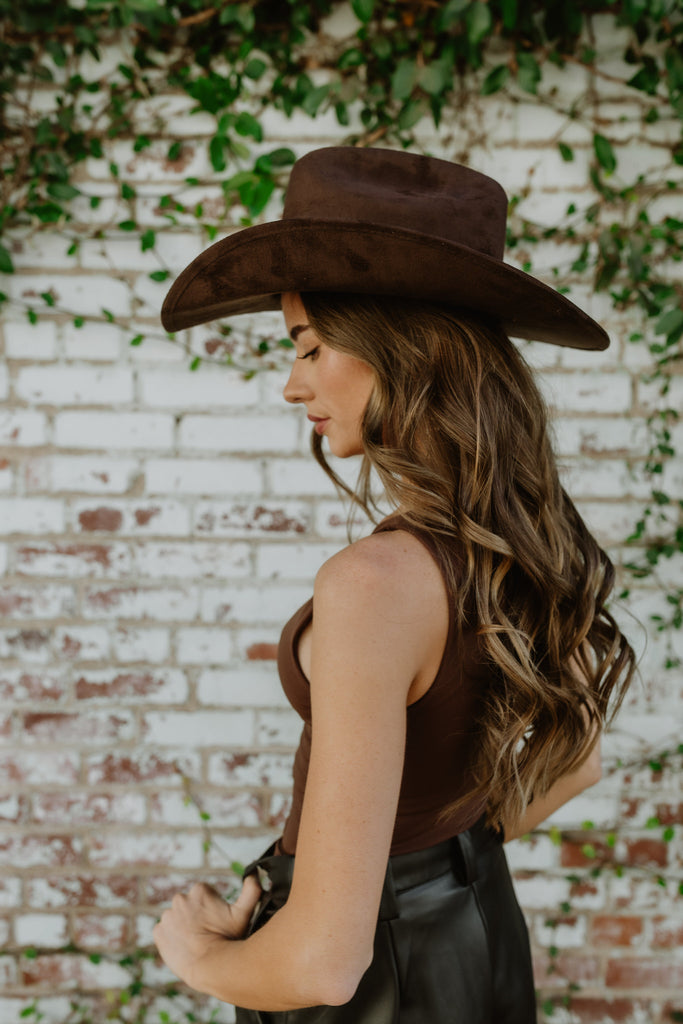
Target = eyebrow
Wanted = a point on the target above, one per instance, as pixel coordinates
(297, 330)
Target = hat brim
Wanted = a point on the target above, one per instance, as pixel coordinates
(248, 271)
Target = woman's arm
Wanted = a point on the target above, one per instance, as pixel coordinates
(371, 634)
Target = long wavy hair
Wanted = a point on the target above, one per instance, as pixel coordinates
(456, 431)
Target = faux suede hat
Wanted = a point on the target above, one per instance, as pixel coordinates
(380, 222)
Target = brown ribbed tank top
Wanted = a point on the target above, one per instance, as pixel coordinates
(439, 735)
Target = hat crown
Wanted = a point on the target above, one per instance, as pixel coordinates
(399, 190)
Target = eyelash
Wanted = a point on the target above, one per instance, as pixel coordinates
(309, 354)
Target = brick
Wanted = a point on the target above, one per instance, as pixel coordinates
(644, 973)
(34, 769)
(586, 1009)
(205, 388)
(45, 930)
(574, 968)
(667, 933)
(297, 477)
(96, 342)
(278, 728)
(573, 856)
(165, 604)
(192, 560)
(29, 645)
(117, 849)
(563, 932)
(31, 515)
(225, 810)
(80, 474)
(203, 646)
(84, 295)
(112, 431)
(10, 892)
(203, 476)
(82, 643)
(139, 518)
(35, 342)
(165, 686)
(103, 892)
(611, 930)
(74, 385)
(31, 851)
(293, 561)
(142, 766)
(22, 427)
(8, 973)
(644, 852)
(246, 433)
(250, 768)
(49, 602)
(199, 728)
(151, 645)
(13, 809)
(250, 686)
(17, 687)
(106, 932)
(85, 729)
(257, 518)
(273, 604)
(73, 560)
(72, 971)
(83, 808)
(262, 652)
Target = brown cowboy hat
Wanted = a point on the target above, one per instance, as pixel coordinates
(380, 222)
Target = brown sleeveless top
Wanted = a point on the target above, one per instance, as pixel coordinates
(439, 738)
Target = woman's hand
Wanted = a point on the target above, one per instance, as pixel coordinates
(196, 925)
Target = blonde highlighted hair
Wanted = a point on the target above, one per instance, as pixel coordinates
(456, 430)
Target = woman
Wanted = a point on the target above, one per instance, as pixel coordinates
(456, 674)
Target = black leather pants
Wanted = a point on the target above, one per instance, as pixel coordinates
(451, 945)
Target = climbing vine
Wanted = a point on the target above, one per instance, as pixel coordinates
(85, 85)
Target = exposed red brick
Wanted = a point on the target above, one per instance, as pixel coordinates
(28, 640)
(667, 934)
(641, 972)
(647, 852)
(100, 931)
(65, 728)
(71, 647)
(126, 684)
(106, 599)
(144, 515)
(88, 553)
(125, 768)
(262, 652)
(31, 686)
(610, 930)
(105, 519)
(11, 601)
(82, 891)
(670, 814)
(30, 851)
(572, 855)
(573, 967)
(593, 1010)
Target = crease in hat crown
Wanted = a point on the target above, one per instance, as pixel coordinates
(382, 222)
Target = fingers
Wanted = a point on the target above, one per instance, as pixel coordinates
(249, 896)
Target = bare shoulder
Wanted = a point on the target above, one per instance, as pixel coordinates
(393, 567)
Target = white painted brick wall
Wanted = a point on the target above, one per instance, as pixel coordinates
(160, 525)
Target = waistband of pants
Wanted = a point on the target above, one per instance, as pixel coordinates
(459, 855)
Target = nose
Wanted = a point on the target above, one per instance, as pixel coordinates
(297, 389)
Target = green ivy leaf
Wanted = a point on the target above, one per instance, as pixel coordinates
(528, 72)
(403, 79)
(147, 239)
(255, 68)
(246, 124)
(6, 265)
(217, 153)
(159, 275)
(478, 20)
(604, 153)
(137, 340)
(509, 9)
(62, 191)
(436, 77)
(671, 322)
(363, 9)
(495, 79)
(566, 152)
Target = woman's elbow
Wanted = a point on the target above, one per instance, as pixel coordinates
(332, 980)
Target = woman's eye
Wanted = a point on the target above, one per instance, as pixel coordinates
(312, 352)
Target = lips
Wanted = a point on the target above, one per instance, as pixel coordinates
(319, 423)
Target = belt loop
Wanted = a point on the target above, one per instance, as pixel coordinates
(466, 854)
(388, 906)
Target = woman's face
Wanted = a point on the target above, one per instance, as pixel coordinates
(334, 387)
